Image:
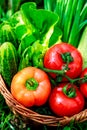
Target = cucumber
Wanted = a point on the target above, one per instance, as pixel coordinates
(8, 62)
(7, 34)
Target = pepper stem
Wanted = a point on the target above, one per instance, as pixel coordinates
(31, 84)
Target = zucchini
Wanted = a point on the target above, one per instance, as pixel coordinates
(8, 61)
(7, 34)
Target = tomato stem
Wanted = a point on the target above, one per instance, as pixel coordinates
(67, 58)
(60, 72)
(31, 84)
(69, 91)
(69, 79)
(80, 80)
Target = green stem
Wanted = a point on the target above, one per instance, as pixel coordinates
(67, 19)
(69, 91)
(80, 80)
(31, 84)
(69, 79)
(62, 73)
(75, 25)
(49, 5)
(83, 14)
(67, 58)
(59, 72)
(83, 24)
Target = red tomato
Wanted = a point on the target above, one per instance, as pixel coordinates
(83, 86)
(60, 55)
(31, 86)
(62, 105)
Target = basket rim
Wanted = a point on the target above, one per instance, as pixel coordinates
(19, 109)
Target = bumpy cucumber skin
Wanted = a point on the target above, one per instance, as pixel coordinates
(8, 62)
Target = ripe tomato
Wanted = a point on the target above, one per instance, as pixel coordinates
(61, 55)
(31, 86)
(83, 86)
(62, 105)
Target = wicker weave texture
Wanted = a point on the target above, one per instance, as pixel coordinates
(28, 114)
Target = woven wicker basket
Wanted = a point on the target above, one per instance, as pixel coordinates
(29, 115)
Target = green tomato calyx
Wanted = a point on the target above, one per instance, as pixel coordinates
(69, 91)
(67, 58)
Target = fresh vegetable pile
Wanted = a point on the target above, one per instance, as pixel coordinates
(72, 18)
(40, 64)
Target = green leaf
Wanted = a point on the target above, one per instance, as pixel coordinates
(49, 5)
(67, 128)
(56, 36)
(16, 19)
(75, 26)
(41, 20)
(26, 58)
(83, 47)
(14, 5)
(25, 42)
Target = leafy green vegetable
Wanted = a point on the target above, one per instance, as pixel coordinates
(38, 55)
(40, 19)
(56, 36)
(68, 17)
(72, 18)
(34, 27)
(34, 24)
(19, 25)
(28, 33)
(26, 58)
(75, 27)
(50, 4)
(83, 14)
(83, 47)
(16, 19)
(39, 30)
(26, 42)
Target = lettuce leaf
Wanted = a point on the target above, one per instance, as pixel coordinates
(41, 20)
